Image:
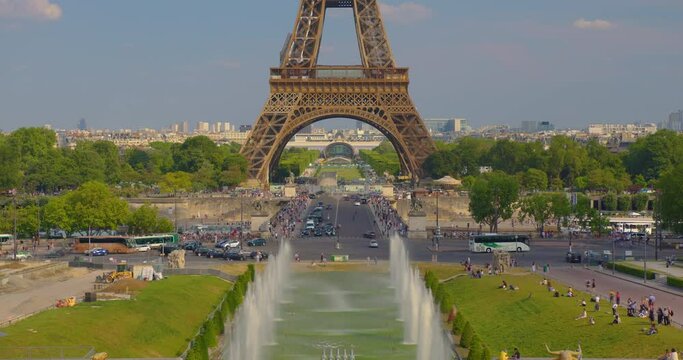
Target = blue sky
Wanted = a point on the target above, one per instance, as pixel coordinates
(134, 64)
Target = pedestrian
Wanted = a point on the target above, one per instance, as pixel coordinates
(597, 302)
(618, 298)
(593, 283)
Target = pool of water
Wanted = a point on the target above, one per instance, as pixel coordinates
(346, 310)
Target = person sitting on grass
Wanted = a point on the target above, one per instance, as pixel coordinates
(591, 321)
(583, 303)
(583, 315)
(617, 320)
(653, 329)
(570, 293)
(504, 285)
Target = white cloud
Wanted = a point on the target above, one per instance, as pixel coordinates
(597, 24)
(405, 13)
(30, 9)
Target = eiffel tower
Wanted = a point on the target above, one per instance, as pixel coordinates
(303, 92)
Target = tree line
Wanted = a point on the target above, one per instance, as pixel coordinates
(31, 162)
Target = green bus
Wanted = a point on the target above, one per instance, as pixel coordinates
(6, 238)
(155, 241)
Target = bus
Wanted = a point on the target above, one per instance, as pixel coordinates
(113, 244)
(489, 242)
(6, 238)
(155, 241)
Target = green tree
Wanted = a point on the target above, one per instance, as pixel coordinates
(640, 201)
(467, 336)
(93, 206)
(476, 350)
(599, 223)
(56, 214)
(143, 220)
(671, 199)
(624, 203)
(560, 208)
(534, 180)
(10, 170)
(653, 155)
(492, 198)
(175, 182)
(582, 210)
(28, 221)
(536, 207)
(610, 202)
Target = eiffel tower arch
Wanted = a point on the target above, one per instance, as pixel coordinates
(303, 92)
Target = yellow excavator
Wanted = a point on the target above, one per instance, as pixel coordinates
(122, 272)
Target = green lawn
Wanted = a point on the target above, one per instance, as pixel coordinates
(157, 323)
(345, 173)
(532, 317)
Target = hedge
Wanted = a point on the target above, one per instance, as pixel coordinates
(467, 335)
(631, 271)
(674, 281)
(214, 325)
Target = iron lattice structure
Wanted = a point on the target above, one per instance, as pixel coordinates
(303, 92)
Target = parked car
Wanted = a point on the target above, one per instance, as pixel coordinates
(143, 248)
(192, 245)
(264, 255)
(228, 244)
(318, 232)
(573, 257)
(202, 251)
(370, 235)
(99, 252)
(374, 244)
(21, 255)
(305, 232)
(214, 253)
(166, 249)
(357, 203)
(55, 254)
(235, 255)
(256, 242)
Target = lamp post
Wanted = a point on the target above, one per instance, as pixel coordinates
(16, 243)
(613, 260)
(437, 231)
(645, 263)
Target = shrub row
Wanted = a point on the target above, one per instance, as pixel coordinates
(468, 339)
(631, 271)
(214, 326)
(674, 281)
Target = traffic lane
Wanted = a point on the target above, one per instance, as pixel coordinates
(604, 284)
(355, 221)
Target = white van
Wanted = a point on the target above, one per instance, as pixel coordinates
(310, 225)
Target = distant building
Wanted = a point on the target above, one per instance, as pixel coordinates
(546, 126)
(446, 126)
(245, 128)
(186, 127)
(621, 130)
(82, 125)
(307, 130)
(202, 127)
(675, 121)
(529, 126)
(359, 125)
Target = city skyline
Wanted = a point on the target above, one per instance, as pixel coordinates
(148, 65)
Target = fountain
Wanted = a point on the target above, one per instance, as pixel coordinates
(254, 322)
(421, 319)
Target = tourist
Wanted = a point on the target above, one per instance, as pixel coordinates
(614, 309)
(674, 355)
(588, 285)
(504, 285)
(533, 267)
(516, 355)
(583, 315)
(666, 356)
(597, 302)
(618, 298)
(617, 319)
(583, 302)
(660, 316)
(591, 321)
(593, 283)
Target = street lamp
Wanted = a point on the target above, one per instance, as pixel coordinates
(613, 261)
(645, 263)
(16, 243)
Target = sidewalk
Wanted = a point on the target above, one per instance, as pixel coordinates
(43, 296)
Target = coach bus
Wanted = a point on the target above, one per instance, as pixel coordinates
(155, 241)
(113, 244)
(506, 242)
(6, 238)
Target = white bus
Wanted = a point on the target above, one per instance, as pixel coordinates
(6, 238)
(489, 242)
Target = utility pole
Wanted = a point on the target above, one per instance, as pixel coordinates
(241, 218)
(437, 231)
(613, 260)
(645, 263)
(16, 240)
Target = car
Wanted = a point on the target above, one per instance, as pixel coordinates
(228, 244)
(306, 232)
(256, 242)
(21, 255)
(573, 257)
(318, 232)
(357, 203)
(235, 255)
(143, 248)
(370, 235)
(192, 245)
(214, 253)
(330, 232)
(264, 255)
(99, 252)
(55, 254)
(311, 196)
(202, 251)
(374, 244)
(169, 248)
(328, 207)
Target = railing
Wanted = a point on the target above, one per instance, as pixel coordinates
(398, 74)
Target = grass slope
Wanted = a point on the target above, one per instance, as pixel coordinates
(157, 323)
(532, 317)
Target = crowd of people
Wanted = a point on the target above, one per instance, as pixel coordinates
(389, 219)
(282, 225)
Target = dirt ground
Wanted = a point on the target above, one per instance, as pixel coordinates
(126, 286)
(10, 283)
